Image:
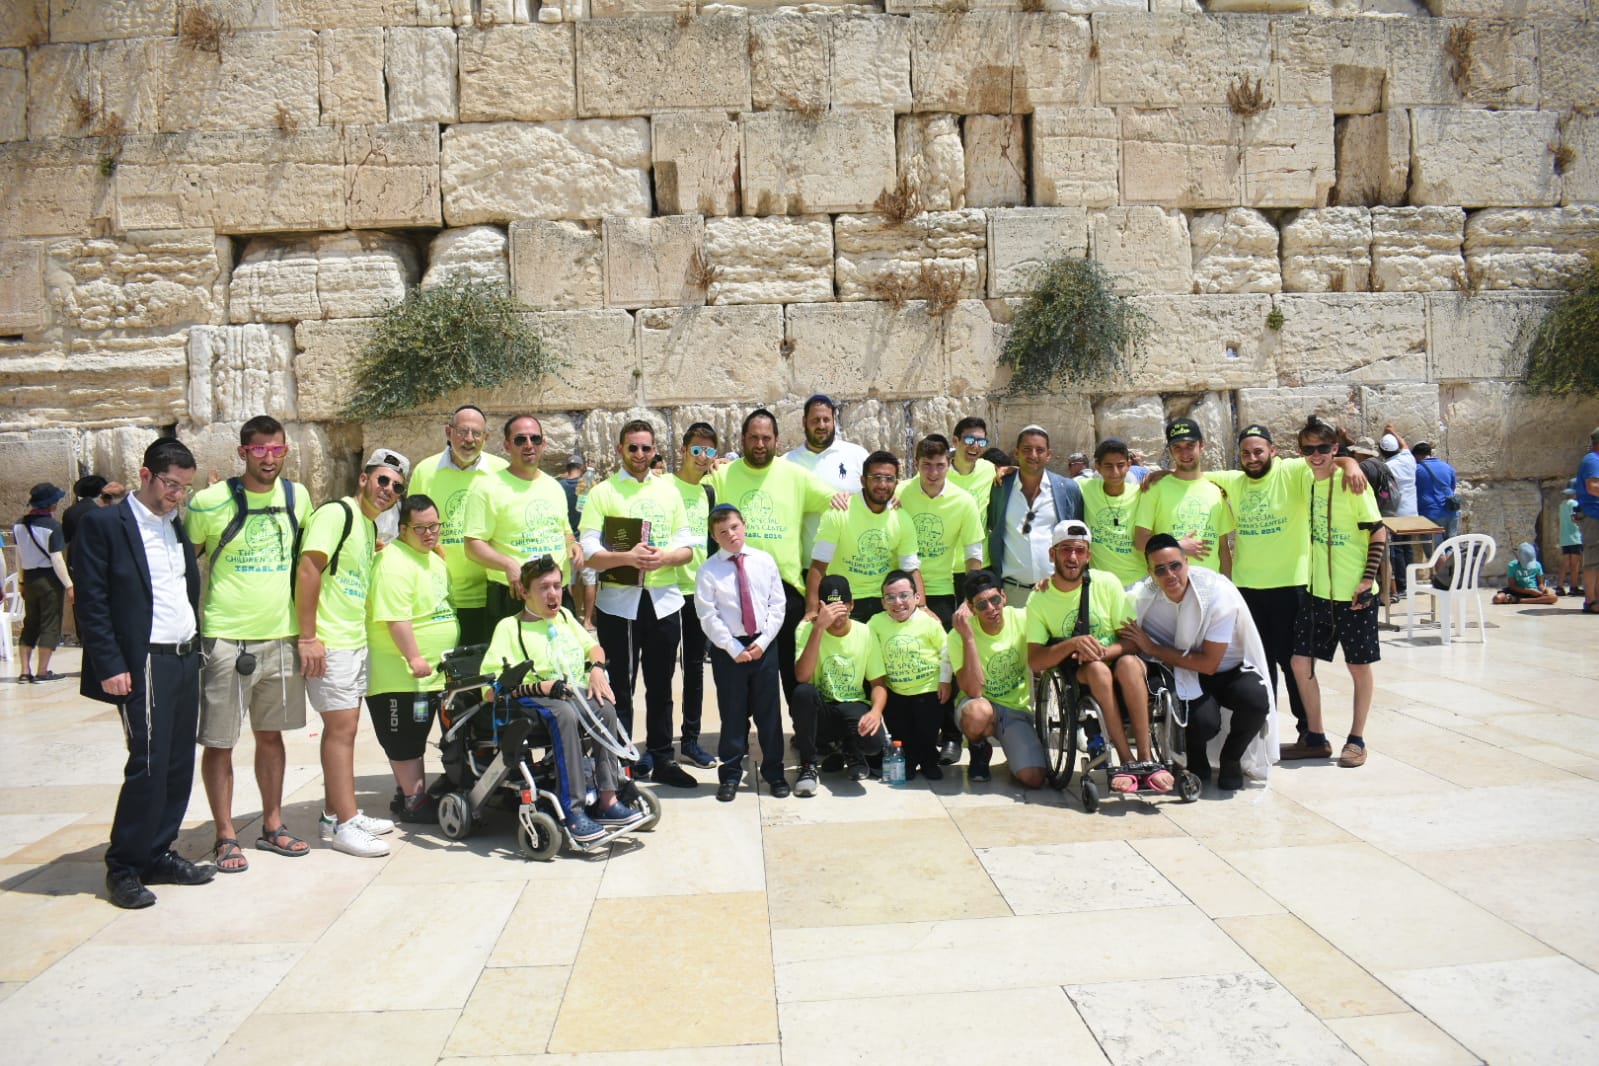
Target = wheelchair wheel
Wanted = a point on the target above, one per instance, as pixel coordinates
(455, 815)
(1188, 786)
(1090, 794)
(650, 804)
(538, 836)
(1055, 732)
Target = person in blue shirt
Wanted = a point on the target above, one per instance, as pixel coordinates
(1588, 507)
(1435, 490)
(1526, 579)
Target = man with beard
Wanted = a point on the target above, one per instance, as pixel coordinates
(836, 462)
(1186, 505)
(865, 541)
(1024, 507)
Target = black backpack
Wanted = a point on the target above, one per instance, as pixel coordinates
(1383, 485)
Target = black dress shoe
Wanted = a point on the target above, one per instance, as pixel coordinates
(726, 791)
(174, 869)
(669, 773)
(780, 789)
(950, 753)
(124, 890)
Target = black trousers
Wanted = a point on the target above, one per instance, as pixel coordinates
(915, 720)
(693, 672)
(477, 624)
(1241, 691)
(793, 615)
(745, 691)
(945, 606)
(862, 610)
(160, 770)
(651, 642)
(1274, 611)
(817, 720)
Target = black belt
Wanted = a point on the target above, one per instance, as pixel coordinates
(188, 647)
(1018, 584)
(747, 641)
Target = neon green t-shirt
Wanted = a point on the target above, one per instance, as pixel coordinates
(1110, 520)
(910, 651)
(1052, 614)
(652, 500)
(557, 646)
(408, 586)
(843, 664)
(1183, 509)
(247, 595)
(1273, 548)
(774, 501)
(945, 525)
(520, 519)
(866, 546)
(1348, 541)
(1004, 657)
(341, 609)
(698, 510)
(448, 486)
(979, 485)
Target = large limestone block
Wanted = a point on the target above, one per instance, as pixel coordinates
(499, 171)
(1482, 337)
(77, 20)
(517, 73)
(144, 280)
(1199, 342)
(1419, 67)
(879, 259)
(1373, 154)
(22, 303)
(1568, 77)
(23, 24)
(1417, 249)
(1530, 249)
(595, 360)
(326, 354)
(237, 372)
(1502, 70)
(1210, 157)
(1411, 407)
(1068, 418)
(973, 339)
(1358, 54)
(601, 429)
(998, 62)
(473, 253)
(33, 455)
(1170, 60)
(1352, 337)
(1302, 57)
(794, 164)
(1022, 242)
(639, 65)
(52, 188)
(557, 265)
(871, 62)
(96, 381)
(1507, 511)
(747, 341)
(789, 55)
(1076, 157)
(1284, 410)
(996, 160)
(649, 262)
(1531, 9)
(1139, 421)
(1145, 249)
(121, 82)
(854, 350)
(770, 260)
(352, 90)
(391, 175)
(1483, 158)
(116, 452)
(695, 160)
(932, 159)
(419, 65)
(337, 275)
(1327, 250)
(938, 414)
(1235, 251)
(260, 81)
(13, 87)
(1579, 179)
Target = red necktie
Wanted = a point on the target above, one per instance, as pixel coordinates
(746, 604)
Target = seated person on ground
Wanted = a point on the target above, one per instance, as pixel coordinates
(1526, 580)
(911, 646)
(989, 661)
(836, 656)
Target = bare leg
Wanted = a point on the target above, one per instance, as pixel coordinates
(1310, 691)
(338, 762)
(409, 776)
(1364, 683)
(1101, 682)
(44, 660)
(26, 654)
(977, 720)
(216, 773)
(270, 759)
(1134, 685)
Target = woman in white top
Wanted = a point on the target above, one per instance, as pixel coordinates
(46, 585)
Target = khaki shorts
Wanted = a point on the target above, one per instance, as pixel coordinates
(343, 685)
(274, 694)
(1590, 553)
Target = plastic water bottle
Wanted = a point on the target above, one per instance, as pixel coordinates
(894, 765)
(419, 708)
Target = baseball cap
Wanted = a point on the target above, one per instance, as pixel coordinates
(1594, 436)
(1070, 529)
(979, 582)
(1388, 443)
(834, 589)
(1255, 429)
(1179, 429)
(387, 457)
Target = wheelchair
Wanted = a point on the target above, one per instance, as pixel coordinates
(1070, 722)
(501, 751)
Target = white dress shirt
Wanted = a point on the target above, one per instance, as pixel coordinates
(1027, 556)
(621, 601)
(717, 604)
(838, 465)
(172, 616)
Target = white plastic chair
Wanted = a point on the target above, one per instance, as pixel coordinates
(10, 614)
(1472, 551)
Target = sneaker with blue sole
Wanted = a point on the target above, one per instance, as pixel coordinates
(695, 755)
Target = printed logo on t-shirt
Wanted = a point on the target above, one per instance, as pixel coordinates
(871, 557)
(838, 677)
(904, 658)
(263, 549)
(930, 536)
(760, 516)
(1003, 672)
(1257, 518)
(454, 519)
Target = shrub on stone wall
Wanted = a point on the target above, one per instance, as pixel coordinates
(1071, 327)
(1564, 356)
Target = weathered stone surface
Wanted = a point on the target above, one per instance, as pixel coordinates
(1021, 242)
(74, 21)
(1579, 179)
(973, 339)
(1507, 511)
(749, 364)
(1214, 413)
(1209, 157)
(1076, 157)
(517, 73)
(938, 414)
(1284, 410)
(1530, 249)
(1483, 158)
(770, 260)
(341, 275)
(1235, 251)
(1302, 53)
(932, 158)
(473, 253)
(118, 84)
(1419, 69)
(22, 303)
(237, 372)
(391, 175)
(24, 23)
(1482, 336)
(13, 87)
(794, 165)
(1502, 72)
(1198, 343)
(695, 163)
(1352, 337)
(598, 434)
(51, 188)
(636, 66)
(99, 380)
(1373, 159)
(1144, 248)
(649, 261)
(871, 62)
(1567, 75)
(324, 365)
(558, 265)
(595, 358)
(1504, 63)
(876, 257)
(1487, 430)
(998, 62)
(32, 456)
(1417, 249)
(996, 160)
(1138, 420)
(319, 15)
(1541, 9)
(500, 171)
(352, 90)
(145, 280)
(420, 69)
(854, 350)
(1199, 57)
(1327, 250)
(260, 81)
(789, 55)
(1068, 418)
(1412, 408)
(1358, 55)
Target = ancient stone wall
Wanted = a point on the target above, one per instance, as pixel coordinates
(204, 202)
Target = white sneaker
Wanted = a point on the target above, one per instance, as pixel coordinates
(327, 825)
(376, 826)
(353, 840)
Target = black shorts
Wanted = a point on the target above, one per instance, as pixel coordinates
(1571, 549)
(394, 721)
(1323, 625)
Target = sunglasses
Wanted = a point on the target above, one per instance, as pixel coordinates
(1027, 523)
(989, 602)
(1168, 568)
(981, 442)
(261, 451)
(534, 439)
(1318, 449)
(702, 450)
(640, 449)
(386, 482)
(427, 530)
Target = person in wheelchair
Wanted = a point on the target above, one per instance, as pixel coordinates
(1196, 622)
(561, 650)
(1063, 631)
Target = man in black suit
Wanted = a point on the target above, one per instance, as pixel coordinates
(137, 608)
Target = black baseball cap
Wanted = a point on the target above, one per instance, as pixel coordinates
(1255, 429)
(980, 581)
(834, 589)
(1183, 429)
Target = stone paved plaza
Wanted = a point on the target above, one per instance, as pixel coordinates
(1439, 905)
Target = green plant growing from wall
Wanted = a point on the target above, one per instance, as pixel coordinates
(459, 335)
(1072, 326)
(1563, 356)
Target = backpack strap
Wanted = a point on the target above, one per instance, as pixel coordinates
(349, 524)
(710, 501)
(1082, 628)
(242, 510)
